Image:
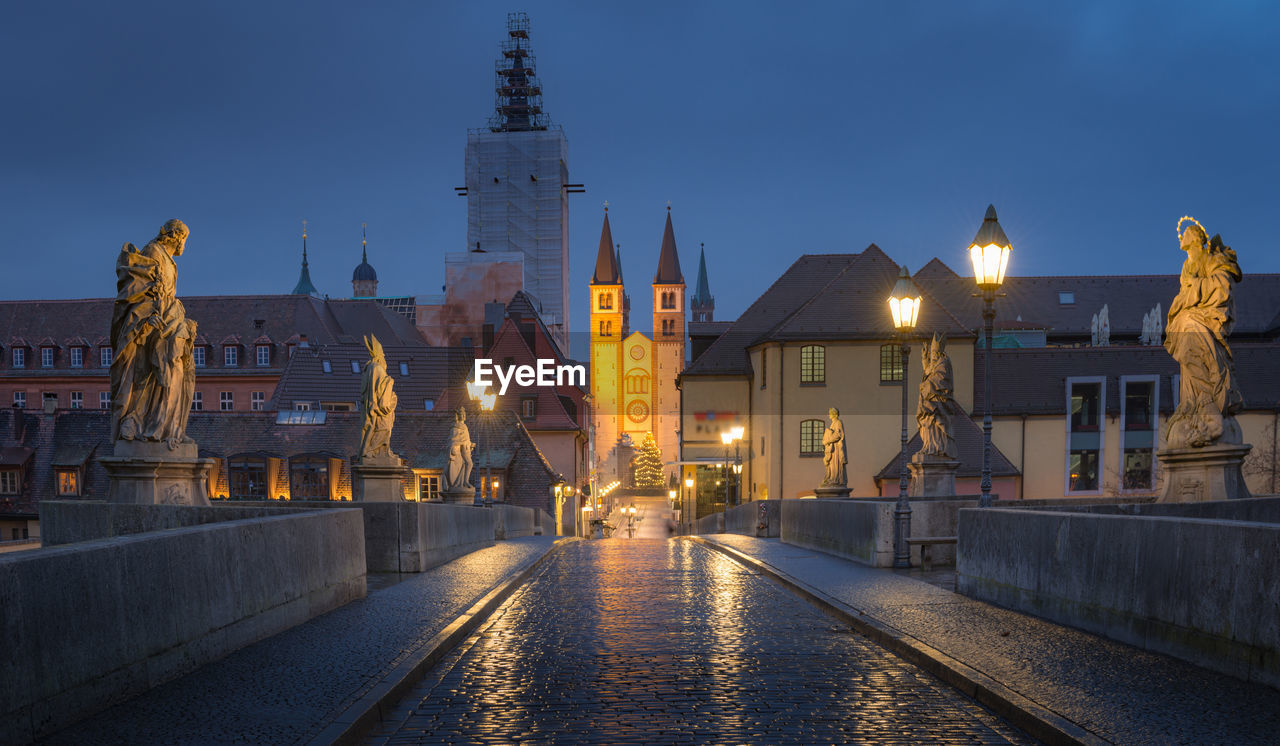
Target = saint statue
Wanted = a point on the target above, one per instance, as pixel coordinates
(457, 476)
(933, 412)
(378, 402)
(1200, 320)
(834, 456)
(152, 371)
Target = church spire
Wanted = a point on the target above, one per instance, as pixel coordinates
(304, 286)
(607, 272)
(668, 259)
(702, 303)
(519, 106)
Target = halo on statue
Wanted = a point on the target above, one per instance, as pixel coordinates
(1184, 219)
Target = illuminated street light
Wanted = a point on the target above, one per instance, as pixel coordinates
(485, 402)
(990, 255)
(904, 306)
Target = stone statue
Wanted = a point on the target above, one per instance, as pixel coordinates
(1152, 327)
(1101, 328)
(1200, 320)
(933, 412)
(457, 476)
(378, 402)
(152, 372)
(834, 456)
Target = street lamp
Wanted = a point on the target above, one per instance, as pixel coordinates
(904, 305)
(990, 254)
(485, 402)
(688, 491)
(730, 437)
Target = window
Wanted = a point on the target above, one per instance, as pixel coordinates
(9, 481)
(606, 301)
(637, 383)
(105, 356)
(1066, 298)
(404, 369)
(248, 478)
(669, 300)
(19, 357)
(302, 406)
(50, 398)
(77, 357)
(813, 364)
(68, 481)
(197, 401)
(355, 366)
(1139, 414)
(104, 400)
(257, 400)
(197, 355)
(811, 437)
(890, 363)
(226, 401)
(230, 356)
(77, 400)
(46, 357)
(20, 399)
(529, 408)
(429, 487)
(1084, 437)
(429, 404)
(309, 478)
(264, 355)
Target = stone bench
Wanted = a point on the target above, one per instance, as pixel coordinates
(926, 544)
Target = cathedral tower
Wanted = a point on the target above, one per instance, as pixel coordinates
(668, 342)
(606, 343)
(703, 304)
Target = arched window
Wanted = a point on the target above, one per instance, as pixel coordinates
(813, 364)
(890, 363)
(811, 437)
(309, 478)
(606, 301)
(669, 299)
(248, 478)
(606, 328)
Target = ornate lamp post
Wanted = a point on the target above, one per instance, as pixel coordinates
(990, 255)
(485, 402)
(904, 305)
(730, 437)
(688, 492)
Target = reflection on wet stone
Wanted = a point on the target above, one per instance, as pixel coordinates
(664, 642)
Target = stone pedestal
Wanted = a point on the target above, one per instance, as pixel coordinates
(932, 475)
(1199, 474)
(143, 473)
(832, 491)
(465, 496)
(378, 479)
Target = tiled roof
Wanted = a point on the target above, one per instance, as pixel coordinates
(969, 443)
(806, 276)
(220, 318)
(431, 371)
(668, 258)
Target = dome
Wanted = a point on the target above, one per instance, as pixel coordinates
(364, 272)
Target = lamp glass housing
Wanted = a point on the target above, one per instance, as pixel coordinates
(989, 264)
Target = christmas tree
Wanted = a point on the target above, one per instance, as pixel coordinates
(648, 464)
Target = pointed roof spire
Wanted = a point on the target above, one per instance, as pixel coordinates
(618, 256)
(606, 261)
(304, 286)
(364, 270)
(668, 259)
(702, 293)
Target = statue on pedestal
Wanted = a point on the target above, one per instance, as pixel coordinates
(1200, 320)
(933, 411)
(457, 478)
(378, 402)
(152, 371)
(834, 456)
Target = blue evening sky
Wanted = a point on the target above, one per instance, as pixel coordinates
(774, 129)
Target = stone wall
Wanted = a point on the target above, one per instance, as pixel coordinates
(70, 521)
(511, 521)
(862, 530)
(709, 524)
(1199, 589)
(97, 622)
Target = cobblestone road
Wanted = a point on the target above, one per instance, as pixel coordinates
(652, 641)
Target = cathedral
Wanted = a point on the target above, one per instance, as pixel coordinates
(633, 376)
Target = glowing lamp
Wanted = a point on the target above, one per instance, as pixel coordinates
(688, 482)
(904, 302)
(475, 390)
(989, 252)
(737, 431)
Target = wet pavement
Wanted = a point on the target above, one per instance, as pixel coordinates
(666, 641)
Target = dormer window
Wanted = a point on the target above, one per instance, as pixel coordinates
(19, 357)
(198, 355)
(264, 355)
(105, 356)
(231, 356)
(46, 357)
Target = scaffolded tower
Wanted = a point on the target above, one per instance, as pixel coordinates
(517, 181)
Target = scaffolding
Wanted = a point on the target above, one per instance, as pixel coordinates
(519, 94)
